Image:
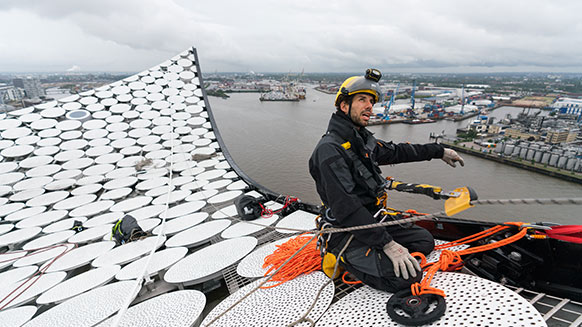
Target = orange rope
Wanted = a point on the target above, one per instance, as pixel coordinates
(306, 261)
(350, 282)
(451, 260)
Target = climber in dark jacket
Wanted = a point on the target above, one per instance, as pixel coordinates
(345, 167)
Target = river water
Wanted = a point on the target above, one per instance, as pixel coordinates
(272, 142)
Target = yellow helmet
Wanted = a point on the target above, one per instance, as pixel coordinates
(361, 84)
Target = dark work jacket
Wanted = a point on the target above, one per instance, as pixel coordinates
(341, 186)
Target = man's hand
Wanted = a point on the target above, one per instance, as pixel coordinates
(451, 157)
(402, 260)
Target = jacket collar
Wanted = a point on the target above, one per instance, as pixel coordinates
(341, 125)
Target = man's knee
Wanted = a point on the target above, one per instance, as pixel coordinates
(425, 243)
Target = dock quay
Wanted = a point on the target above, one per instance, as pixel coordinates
(475, 150)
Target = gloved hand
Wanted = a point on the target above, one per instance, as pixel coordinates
(450, 157)
(402, 260)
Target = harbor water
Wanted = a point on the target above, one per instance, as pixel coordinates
(272, 142)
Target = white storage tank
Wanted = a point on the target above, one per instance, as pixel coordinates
(523, 152)
(500, 147)
(554, 159)
(562, 162)
(570, 164)
(508, 149)
(530, 154)
(538, 156)
(546, 157)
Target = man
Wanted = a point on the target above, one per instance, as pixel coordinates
(345, 167)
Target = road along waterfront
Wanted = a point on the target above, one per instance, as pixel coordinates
(272, 142)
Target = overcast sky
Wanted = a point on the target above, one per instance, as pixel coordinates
(282, 35)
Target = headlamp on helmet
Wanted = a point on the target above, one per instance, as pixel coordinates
(361, 84)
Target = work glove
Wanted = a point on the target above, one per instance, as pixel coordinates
(450, 157)
(403, 262)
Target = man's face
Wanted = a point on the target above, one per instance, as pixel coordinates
(362, 104)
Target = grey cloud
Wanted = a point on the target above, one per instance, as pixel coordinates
(318, 36)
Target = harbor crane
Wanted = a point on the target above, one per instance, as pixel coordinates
(387, 106)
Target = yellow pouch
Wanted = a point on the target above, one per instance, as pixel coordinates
(328, 264)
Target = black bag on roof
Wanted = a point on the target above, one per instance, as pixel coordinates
(248, 207)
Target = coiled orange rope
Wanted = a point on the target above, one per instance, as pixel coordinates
(305, 262)
(451, 260)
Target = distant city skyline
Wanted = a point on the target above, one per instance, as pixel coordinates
(448, 36)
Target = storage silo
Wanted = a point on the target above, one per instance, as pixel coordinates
(554, 159)
(508, 149)
(546, 157)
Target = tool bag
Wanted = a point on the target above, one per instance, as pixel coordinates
(248, 207)
(126, 230)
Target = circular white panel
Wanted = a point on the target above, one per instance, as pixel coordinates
(128, 252)
(87, 189)
(16, 274)
(5, 228)
(181, 223)
(89, 308)
(9, 258)
(216, 256)
(79, 284)
(43, 255)
(68, 125)
(42, 219)
(175, 196)
(35, 161)
(98, 169)
(217, 185)
(47, 199)
(198, 234)
(245, 228)
(183, 209)
(48, 240)
(252, 265)
(211, 174)
(16, 317)
(80, 163)
(75, 202)
(224, 197)
(45, 170)
(26, 195)
(6, 124)
(92, 234)
(116, 194)
(201, 195)
(147, 212)
(7, 167)
(277, 306)
(47, 150)
(104, 219)
(226, 212)
(37, 286)
(54, 112)
(71, 135)
(80, 256)
(159, 261)
(66, 174)
(99, 151)
(19, 235)
(120, 183)
(9, 208)
(238, 185)
(60, 184)
(72, 106)
(132, 204)
(16, 133)
(120, 173)
(70, 155)
(17, 151)
(91, 209)
(298, 219)
(471, 301)
(24, 213)
(180, 308)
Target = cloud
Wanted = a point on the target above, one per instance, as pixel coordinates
(75, 68)
(447, 35)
